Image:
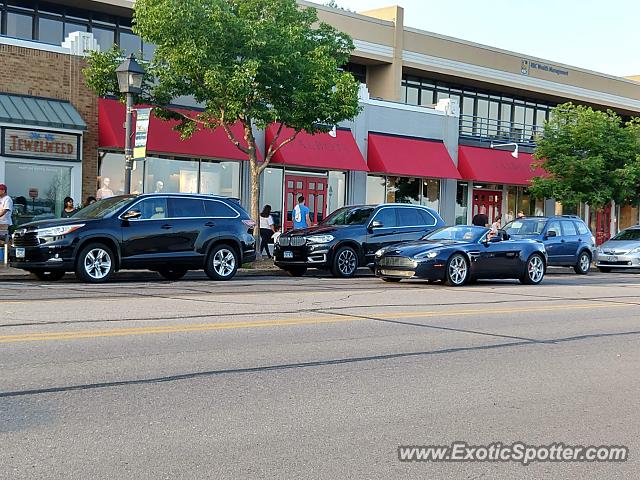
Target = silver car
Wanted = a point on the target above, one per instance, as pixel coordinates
(621, 251)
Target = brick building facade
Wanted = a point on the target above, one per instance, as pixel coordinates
(52, 75)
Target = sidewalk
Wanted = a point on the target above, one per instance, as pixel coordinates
(262, 267)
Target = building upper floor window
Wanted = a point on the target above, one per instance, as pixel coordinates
(483, 114)
(52, 23)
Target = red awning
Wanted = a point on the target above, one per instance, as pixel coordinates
(162, 137)
(496, 166)
(318, 151)
(410, 157)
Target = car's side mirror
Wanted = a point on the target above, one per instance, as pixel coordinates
(551, 234)
(376, 224)
(132, 215)
(496, 238)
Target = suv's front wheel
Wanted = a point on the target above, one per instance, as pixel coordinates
(95, 263)
(345, 262)
(222, 263)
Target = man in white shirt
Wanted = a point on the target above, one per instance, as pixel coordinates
(6, 209)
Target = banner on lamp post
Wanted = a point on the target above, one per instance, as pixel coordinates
(142, 132)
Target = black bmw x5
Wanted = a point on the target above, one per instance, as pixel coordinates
(167, 233)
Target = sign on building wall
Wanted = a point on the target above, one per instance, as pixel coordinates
(39, 144)
(142, 132)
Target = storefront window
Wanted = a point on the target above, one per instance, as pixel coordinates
(336, 191)
(512, 196)
(218, 178)
(431, 193)
(166, 175)
(462, 203)
(50, 183)
(403, 190)
(375, 189)
(271, 192)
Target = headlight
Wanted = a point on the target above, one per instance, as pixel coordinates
(429, 254)
(598, 250)
(635, 250)
(320, 238)
(58, 231)
(380, 252)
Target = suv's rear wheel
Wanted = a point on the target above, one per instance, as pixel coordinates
(95, 264)
(583, 264)
(48, 275)
(222, 263)
(345, 262)
(173, 273)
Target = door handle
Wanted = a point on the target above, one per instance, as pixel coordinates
(167, 227)
(210, 224)
(561, 241)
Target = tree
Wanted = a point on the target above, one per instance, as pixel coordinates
(590, 156)
(256, 62)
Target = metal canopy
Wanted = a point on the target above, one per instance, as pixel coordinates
(42, 112)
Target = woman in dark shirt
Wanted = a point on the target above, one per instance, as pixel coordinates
(68, 209)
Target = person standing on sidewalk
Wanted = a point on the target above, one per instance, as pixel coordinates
(480, 219)
(6, 209)
(301, 214)
(266, 229)
(69, 210)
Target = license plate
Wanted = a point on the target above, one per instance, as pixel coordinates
(287, 254)
(19, 252)
(612, 259)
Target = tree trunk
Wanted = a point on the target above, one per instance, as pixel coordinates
(255, 199)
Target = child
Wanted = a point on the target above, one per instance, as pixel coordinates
(276, 234)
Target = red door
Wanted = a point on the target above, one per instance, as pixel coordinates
(491, 200)
(603, 224)
(313, 189)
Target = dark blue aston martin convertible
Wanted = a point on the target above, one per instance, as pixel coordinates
(459, 254)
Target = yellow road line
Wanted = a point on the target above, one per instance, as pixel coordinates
(321, 319)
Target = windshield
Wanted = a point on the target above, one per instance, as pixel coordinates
(104, 207)
(529, 226)
(631, 234)
(458, 234)
(349, 216)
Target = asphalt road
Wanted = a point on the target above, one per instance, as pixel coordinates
(274, 377)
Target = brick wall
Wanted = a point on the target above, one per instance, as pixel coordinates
(39, 73)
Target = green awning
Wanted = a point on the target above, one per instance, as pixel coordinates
(42, 112)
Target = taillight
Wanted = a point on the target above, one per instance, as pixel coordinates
(249, 223)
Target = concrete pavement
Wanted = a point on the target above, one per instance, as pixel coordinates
(275, 377)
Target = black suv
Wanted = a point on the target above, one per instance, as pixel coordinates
(350, 237)
(168, 233)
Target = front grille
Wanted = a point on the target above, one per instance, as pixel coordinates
(28, 239)
(397, 273)
(292, 241)
(397, 262)
(614, 252)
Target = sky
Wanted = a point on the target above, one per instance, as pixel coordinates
(598, 35)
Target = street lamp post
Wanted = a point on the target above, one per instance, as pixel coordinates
(130, 75)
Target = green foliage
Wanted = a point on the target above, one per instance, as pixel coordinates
(591, 157)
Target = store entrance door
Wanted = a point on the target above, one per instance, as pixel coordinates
(313, 189)
(603, 224)
(490, 199)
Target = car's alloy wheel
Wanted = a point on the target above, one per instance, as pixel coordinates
(535, 270)
(584, 264)
(457, 270)
(222, 263)
(345, 263)
(95, 263)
